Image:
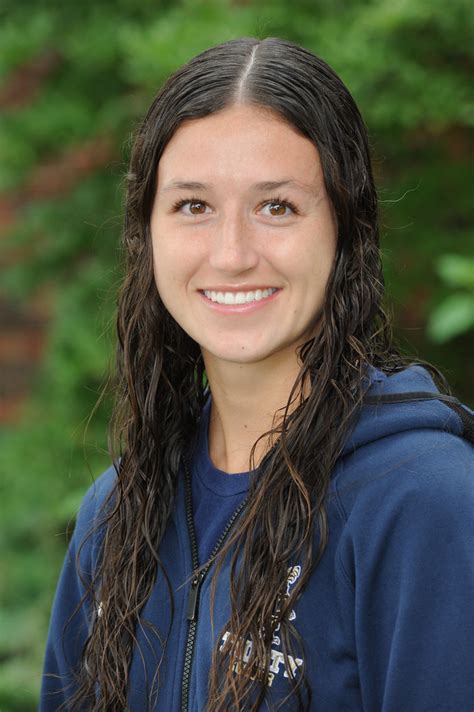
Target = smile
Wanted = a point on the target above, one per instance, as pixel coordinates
(239, 297)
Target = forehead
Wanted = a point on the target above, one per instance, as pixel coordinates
(240, 143)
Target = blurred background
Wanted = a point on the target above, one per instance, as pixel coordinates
(75, 78)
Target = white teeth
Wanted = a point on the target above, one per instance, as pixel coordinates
(239, 297)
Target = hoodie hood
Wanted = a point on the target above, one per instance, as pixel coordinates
(407, 400)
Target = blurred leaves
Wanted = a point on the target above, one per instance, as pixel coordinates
(456, 270)
(455, 314)
(452, 317)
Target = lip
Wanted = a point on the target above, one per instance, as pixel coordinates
(238, 308)
(237, 287)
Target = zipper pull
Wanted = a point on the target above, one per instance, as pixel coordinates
(193, 597)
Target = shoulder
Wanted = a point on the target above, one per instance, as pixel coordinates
(97, 495)
(406, 501)
(93, 507)
(404, 493)
(406, 472)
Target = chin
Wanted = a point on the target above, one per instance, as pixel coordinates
(239, 353)
(241, 357)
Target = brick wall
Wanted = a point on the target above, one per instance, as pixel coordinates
(23, 328)
(22, 338)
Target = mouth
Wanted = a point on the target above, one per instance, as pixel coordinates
(231, 298)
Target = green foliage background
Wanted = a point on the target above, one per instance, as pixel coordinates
(407, 64)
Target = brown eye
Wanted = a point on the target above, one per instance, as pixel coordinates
(196, 207)
(277, 209)
(280, 208)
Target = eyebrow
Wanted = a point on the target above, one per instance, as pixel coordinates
(262, 186)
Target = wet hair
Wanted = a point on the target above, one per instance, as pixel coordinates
(160, 385)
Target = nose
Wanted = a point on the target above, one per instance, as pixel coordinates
(233, 248)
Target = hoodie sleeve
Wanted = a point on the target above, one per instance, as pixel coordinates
(70, 616)
(408, 555)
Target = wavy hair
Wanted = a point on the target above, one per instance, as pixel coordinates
(160, 385)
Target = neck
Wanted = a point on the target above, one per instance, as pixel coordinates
(245, 401)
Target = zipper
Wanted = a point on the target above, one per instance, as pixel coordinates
(193, 597)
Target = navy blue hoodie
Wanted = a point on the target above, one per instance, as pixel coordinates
(387, 617)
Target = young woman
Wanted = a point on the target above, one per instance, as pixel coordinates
(288, 523)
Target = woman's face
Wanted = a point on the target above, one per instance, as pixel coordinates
(243, 234)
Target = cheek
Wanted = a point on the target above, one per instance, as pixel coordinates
(164, 260)
(172, 267)
(163, 272)
(310, 263)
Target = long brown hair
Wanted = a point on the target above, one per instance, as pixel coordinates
(160, 385)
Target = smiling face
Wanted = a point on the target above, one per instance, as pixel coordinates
(243, 234)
